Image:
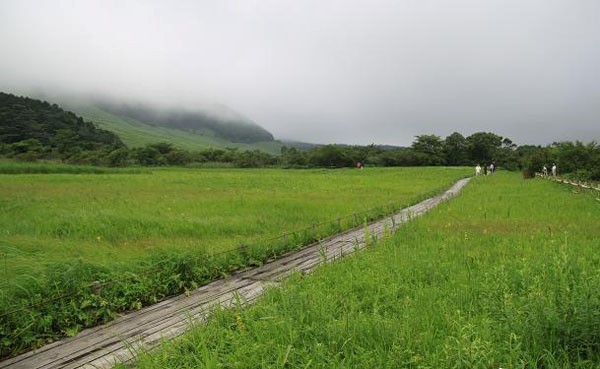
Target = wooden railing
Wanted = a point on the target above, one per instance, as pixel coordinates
(580, 184)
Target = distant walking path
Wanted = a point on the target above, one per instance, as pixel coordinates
(117, 341)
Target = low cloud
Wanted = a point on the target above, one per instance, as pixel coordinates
(354, 72)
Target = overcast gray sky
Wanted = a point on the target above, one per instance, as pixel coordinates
(343, 71)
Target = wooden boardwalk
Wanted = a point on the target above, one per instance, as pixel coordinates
(118, 341)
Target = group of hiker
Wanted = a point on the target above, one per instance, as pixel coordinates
(490, 169)
(552, 170)
(486, 170)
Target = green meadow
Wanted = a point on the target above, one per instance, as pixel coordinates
(506, 275)
(78, 247)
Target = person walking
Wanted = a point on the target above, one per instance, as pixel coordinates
(553, 170)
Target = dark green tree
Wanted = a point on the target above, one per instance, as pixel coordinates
(329, 156)
(30, 149)
(430, 148)
(506, 155)
(118, 157)
(292, 157)
(456, 149)
(484, 146)
(582, 160)
(147, 156)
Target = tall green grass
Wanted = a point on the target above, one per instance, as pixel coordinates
(506, 275)
(75, 250)
(13, 167)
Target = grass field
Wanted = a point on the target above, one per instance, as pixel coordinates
(506, 275)
(147, 235)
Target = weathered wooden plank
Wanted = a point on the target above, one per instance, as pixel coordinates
(128, 327)
(156, 335)
(140, 315)
(120, 340)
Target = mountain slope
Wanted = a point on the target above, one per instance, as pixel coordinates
(223, 123)
(139, 125)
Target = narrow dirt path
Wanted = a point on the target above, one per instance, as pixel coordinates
(118, 341)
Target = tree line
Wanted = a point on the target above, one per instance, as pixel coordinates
(574, 159)
(578, 160)
(32, 130)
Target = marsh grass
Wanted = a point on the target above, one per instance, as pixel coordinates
(14, 167)
(506, 275)
(78, 249)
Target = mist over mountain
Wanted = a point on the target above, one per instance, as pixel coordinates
(207, 119)
(219, 121)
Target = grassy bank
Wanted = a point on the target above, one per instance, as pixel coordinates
(504, 276)
(78, 249)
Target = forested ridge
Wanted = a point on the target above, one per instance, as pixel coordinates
(31, 129)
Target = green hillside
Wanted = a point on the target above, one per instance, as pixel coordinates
(137, 133)
(31, 129)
